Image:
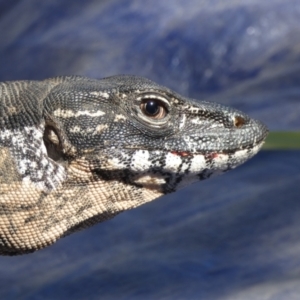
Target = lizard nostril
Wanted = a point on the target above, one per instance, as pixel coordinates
(238, 121)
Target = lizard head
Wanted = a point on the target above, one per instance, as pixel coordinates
(131, 129)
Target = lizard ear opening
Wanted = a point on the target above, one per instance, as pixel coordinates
(53, 143)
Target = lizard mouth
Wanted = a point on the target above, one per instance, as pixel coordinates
(212, 142)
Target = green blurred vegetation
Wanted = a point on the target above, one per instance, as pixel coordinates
(282, 140)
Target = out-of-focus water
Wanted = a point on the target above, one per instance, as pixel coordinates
(233, 237)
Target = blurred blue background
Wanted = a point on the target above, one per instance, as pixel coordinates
(232, 237)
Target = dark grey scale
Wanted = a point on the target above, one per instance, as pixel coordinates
(176, 178)
(28, 110)
(162, 160)
(232, 160)
(249, 151)
(229, 164)
(185, 160)
(12, 228)
(111, 199)
(5, 209)
(110, 208)
(30, 219)
(209, 161)
(83, 140)
(126, 161)
(5, 242)
(86, 206)
(51, 222)
(45, 179)
(205, 174)
(173, 179)
(6, 139)
(171, 182)
(20, 119)
(31, 156)
(124, 176)
(154, 159)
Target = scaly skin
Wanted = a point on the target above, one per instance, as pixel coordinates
(77, 151)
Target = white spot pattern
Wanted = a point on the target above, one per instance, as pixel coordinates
(33, 164)
(67, 113)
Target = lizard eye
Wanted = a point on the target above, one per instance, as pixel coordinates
(154, 108)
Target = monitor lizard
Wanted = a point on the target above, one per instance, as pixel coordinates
(75, 151)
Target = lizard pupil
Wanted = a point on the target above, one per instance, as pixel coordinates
(151, 107)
